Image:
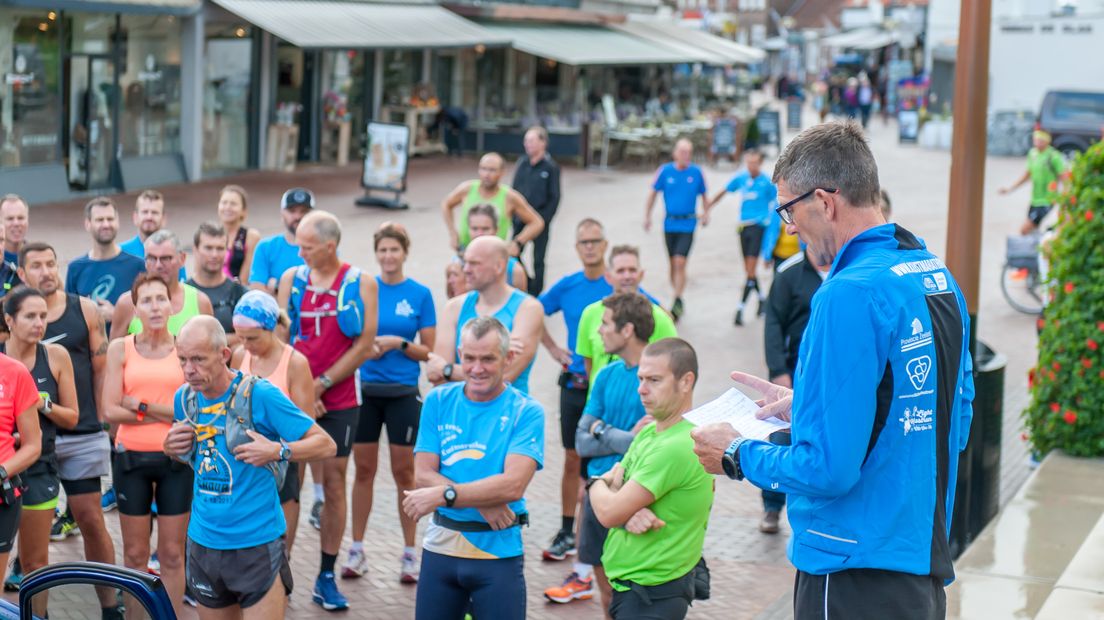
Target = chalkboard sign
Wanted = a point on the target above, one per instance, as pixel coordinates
(793, 114)
(908, 126)
(724, 137)
(770, 127)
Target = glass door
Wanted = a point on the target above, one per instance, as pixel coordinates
(90, 103)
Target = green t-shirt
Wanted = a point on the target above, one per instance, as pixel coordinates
(589, 342)
(1045, 167)
(665, 464)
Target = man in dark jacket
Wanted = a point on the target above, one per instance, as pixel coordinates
(537, 178)
(791, 295)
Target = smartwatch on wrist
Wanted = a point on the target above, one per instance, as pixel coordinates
(730, 462)
(450, 496)
(143, 409)
(598, 430)
(326, 381)
(47, 405)
(405, 345)
(285, 451)
(3, 473)
(446, 372)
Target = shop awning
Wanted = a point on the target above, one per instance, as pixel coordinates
(589, 45)
(362, 25)
(160, 7)
(775, 44)
(721, 51)
(861, 39)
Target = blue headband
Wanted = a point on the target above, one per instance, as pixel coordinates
(257, 309)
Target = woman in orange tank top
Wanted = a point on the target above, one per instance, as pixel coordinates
(262, 354)
(143, 374)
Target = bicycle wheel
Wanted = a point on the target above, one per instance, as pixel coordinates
(1022, 289)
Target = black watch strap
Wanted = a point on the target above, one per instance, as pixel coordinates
(446, 372)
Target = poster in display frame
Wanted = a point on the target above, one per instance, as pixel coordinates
(386, 159)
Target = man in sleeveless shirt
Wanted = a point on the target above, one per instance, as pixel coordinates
(164, 257)
(334, 359)
(208, 277)
(83, 452)
(488, 189)
(485, 268)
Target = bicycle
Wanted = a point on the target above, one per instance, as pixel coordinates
(1024, 273)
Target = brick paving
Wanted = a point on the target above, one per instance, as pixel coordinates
(751, 577)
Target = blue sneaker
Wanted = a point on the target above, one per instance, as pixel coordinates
(326, 594)
(109, 502)
(15, 577)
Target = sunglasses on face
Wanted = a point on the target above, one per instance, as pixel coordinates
(786, 211)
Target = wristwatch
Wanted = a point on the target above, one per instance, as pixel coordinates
(404, 345)
(450, 496)
(326, 381)
(731, 460)
(143, 409)
(3, 473)
(47, 405)
(446, 372)
(591, 480)
(285, 451)
(598, 430)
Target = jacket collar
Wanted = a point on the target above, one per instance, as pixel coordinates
(886, 236)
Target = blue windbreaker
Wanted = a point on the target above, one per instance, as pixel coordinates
(881, 409)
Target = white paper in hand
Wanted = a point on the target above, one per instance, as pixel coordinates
(735, 408)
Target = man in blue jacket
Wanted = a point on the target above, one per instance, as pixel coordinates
(881, 404)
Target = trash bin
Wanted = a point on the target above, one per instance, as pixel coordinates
(977, 497)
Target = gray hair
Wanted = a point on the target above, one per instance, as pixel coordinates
(325, 225)
(481, 326)
(164, 236)
(831, 155)
(211, 328)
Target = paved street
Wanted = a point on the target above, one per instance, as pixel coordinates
(751, 577)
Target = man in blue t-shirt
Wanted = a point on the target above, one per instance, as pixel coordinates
(149, 217)
(570, 295)
(613, 416)
(681, 183)
(478, 447)
(276, 254)
(106, 273)
(236, 533)
(9, 278)
(759, 197)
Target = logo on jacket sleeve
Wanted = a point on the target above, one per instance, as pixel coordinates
(916, 419)
(918, 369)
(919, 337)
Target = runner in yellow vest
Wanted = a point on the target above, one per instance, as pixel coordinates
(487, 189)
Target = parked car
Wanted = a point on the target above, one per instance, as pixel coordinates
(1074, 119)
(67, 590)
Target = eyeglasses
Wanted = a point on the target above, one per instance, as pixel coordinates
(786, 211)
(164, 260)
(589, 243)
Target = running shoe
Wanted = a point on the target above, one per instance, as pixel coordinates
(154, 565)
(109, 502)
(15, 577)
(64, 527)
(762, 309)
(112, 613)
(562, 546)
(739, 320)
(573, 589)
(326, 595)
(355, 566)
(677, 309)
(409, 572)
(316, 515)
(769, 524)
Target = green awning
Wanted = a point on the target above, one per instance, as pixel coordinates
(719, 51)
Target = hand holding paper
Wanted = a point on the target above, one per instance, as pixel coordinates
(736, 409)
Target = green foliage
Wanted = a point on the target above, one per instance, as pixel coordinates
(1067, 386)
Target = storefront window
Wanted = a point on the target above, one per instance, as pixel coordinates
(29, 64)
(342, 83)
(149, 78)
(400, 73)
(226, 86)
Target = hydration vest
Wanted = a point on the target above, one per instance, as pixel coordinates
(349, 309)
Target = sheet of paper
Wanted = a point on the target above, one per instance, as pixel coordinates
(738, 410)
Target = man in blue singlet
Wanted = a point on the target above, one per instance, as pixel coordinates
(485, 261)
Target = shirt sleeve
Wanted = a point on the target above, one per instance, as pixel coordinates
(528, 437)
(701, 182)
(552, 299)
(258, 271)
(657, 183)
(582, 338)
(279, 416)
(178, 404)
(71, 278)
(664, 326)
(428, 311)
(429, 437)
(734, 185)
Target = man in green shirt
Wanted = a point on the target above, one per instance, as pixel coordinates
(625, 275)
(656, 501)
(1046, 168)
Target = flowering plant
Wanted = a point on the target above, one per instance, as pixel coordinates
(1067, 385)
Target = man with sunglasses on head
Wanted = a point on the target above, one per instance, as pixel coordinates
(881, 404)
(165, 257)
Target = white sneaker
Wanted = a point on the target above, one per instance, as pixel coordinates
(355, 566)
(409, 573)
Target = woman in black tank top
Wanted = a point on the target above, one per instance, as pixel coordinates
(243, 240)
(52, 370)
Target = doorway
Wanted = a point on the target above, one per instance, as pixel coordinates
(91, 98)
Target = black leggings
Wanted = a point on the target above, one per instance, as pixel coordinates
(9, 523)
(142, 477)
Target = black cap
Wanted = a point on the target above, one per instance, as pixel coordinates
(297, 196)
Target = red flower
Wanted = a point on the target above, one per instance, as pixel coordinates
(1040, 323)
(1069, 287)
(1091, 344)
(1053, 186)
(1086, 362)
(1073, 199)
(1023, 436)
(1088, 216)
(1051, 374)
(1056, 366)
(1031, 378)
(1100, 325)
(1054, 407)
(1070, 417)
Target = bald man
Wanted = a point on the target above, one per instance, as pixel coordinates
(485, 261)
(508, 203)
(231, 560)
(321, 331)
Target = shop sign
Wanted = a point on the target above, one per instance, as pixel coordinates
(151, 74)
(908, 126)
(42, 139)
(385, 158)
(1064, 28)
(20, 76)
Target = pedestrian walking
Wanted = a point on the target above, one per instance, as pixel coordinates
(537, 179)
(1046, 169)
(882, 401)
(488, 189)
